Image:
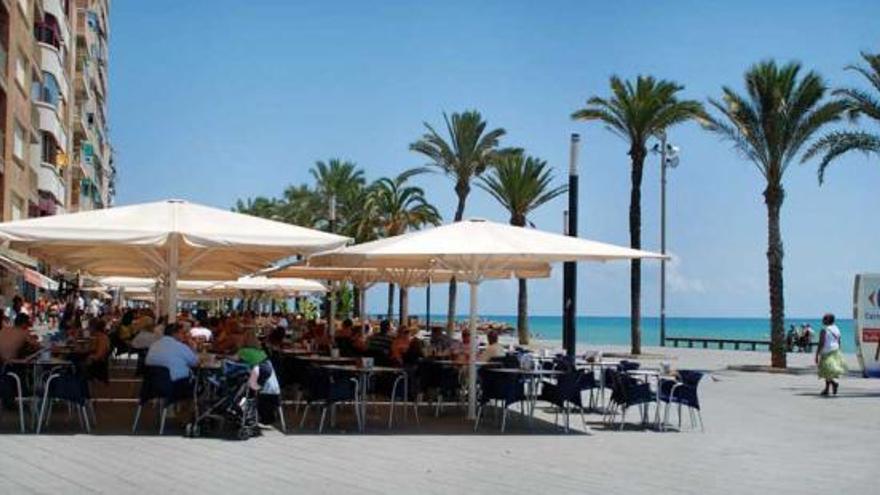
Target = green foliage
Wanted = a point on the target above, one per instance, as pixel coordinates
(520, 184)
(776, 117)
(859, 103)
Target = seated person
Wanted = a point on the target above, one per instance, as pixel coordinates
(175, 353)
(414, 353)
(18, 340)
(262, 377)
(494, 349)
(461, 350)
(344, 331)
(358, 341)
(275, 339)
(440, 344)
(200, 332)
(379, 345)
(146, 336)
(400, 345)
(96, 361)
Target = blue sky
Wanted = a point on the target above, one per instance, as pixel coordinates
(212, 101)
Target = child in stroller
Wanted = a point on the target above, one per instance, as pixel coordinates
(247, 393)
(225, 404)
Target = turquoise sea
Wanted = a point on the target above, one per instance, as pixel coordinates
(610, 330)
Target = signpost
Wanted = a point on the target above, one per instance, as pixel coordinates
(866, 318)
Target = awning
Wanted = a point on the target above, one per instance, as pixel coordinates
(30, 275)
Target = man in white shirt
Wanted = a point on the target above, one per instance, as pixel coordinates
(172, 353)
(94, 307)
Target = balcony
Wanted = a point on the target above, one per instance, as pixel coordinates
(56, 9)
(47, 120)
(45, 33)
(50, 61)
(49, 180)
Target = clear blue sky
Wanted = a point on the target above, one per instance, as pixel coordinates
(212, 101)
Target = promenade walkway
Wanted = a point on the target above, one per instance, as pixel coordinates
(765, 433)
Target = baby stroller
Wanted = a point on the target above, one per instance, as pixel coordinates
(225, 405)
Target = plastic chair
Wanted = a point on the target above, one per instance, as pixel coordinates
(329, 389)
(443, 381)
(10, 389)
(567, 391)
(157, 385)
(627, 392)
(684, 393)
(503, 388)
(66, 384)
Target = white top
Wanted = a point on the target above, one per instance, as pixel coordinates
(201, 333)
(832, 339)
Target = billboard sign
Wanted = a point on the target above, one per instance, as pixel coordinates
(866, 317)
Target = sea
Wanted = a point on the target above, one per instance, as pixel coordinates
(612, 330)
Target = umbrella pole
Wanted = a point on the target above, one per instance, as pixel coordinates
(472, 356)
(362, 301)
(171, 279)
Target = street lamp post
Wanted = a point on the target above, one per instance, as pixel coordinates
(569, 280)
(331, 295)
(668, 159)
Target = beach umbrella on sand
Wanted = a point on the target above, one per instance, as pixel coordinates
(169, 240)
(364, 278)
(472, 249)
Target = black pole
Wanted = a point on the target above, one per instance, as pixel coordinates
(428, 307)
(569, 288)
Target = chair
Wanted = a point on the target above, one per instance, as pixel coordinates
(567, 390)
(10, 390)
(157, 385)
(398, 387)
(443, 381)
(684, 393)
(627, 392)
(503, 388)
(329, 389)
(66, 384)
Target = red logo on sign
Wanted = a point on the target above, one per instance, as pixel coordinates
(871, 335)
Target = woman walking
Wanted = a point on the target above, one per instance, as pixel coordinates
(828, 355)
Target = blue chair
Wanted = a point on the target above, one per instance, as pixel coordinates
(327, 389)
(568, 391)
(504, 389)
(684, 393)
(442, 381)
(10, 390)
(68, 385)
(627, 392)
(157, 385)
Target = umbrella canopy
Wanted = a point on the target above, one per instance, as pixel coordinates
(172, 239)
(286, 285)
(473, 249)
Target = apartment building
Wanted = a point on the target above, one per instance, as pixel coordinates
(56, 154)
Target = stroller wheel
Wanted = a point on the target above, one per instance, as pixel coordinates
(191, 430)
(244, 434)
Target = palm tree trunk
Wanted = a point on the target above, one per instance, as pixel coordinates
(404, 306)
(522, 313)
(637, 154)
(773, 197)
(461, 190)
(390, 301)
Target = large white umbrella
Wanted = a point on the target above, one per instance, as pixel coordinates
(472, 249)
(168, 239)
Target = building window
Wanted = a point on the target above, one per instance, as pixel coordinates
(18, 142)
(49, 92)
(21, 70)
(49, 152)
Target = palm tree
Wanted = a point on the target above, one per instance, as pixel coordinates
(338, 179)
(859, 103)
(521, 184)
(259, 206)
(300, 205)
(769, 125)
(398, 207)
(637, 112)
(466, 154)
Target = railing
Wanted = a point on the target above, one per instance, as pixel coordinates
(705, 342)
(45, 33)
